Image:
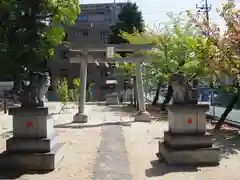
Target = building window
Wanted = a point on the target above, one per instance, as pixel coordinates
(104, 36)
(81, 33)
(82, 18)
(107, 17)
(85, 34)
(64, 54)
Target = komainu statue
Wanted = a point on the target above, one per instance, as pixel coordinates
(33, 93)
(183, 91)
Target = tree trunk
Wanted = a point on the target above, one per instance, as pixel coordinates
(135, 93)
(168, 97)
(137, 99)
(16, 83)
(156, 98)
(228, 109)
(131, 99)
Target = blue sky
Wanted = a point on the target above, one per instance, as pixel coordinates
(155, 10)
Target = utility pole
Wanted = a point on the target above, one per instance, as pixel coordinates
(114, 13)
(205, 8)
(231, 1)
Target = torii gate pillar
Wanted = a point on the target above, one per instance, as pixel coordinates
(80, 116)
(142, 115)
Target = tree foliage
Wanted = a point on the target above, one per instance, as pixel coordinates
(225, 57)
(176, 49)
(62, 91)
(29, 30)
(223, 53)
(130, 20)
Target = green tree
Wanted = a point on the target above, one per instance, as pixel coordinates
(30, 30)
(76, 89)
(62, 91)
(225, 57)
(130, 21)
(176, 49)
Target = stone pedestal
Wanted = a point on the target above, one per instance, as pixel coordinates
(80, 118)
(112, 99)
(187, 142)
(34, 145)
(143, 116)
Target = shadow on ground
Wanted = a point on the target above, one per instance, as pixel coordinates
(7, 174)
(131, 111)
(160, 168)
(228, 140)
(77, 126)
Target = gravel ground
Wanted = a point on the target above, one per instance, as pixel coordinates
(142, 144)
(85, 149)
(81, 147)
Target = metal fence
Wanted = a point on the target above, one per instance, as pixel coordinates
(216, 98)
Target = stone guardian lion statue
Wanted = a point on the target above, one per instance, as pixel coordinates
(33, 94)
(183, 92)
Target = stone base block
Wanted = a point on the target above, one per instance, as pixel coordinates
(187, 118)
(80, 118)
(112, 99)
(179, 141)
(31, 145)
(143, 116)
(32, 161)
(195, 156)
(32, 123)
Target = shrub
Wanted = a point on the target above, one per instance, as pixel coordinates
(62, 91)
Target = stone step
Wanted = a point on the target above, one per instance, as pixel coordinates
(197, 156)
(31, 145)
(112, 101)
(32, 161)
(179, 141)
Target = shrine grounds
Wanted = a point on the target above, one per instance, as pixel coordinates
(111, 146)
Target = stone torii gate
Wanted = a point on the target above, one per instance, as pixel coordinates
(84, 57)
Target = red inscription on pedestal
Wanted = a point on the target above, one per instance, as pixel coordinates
(189, 121)
(29, 124)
